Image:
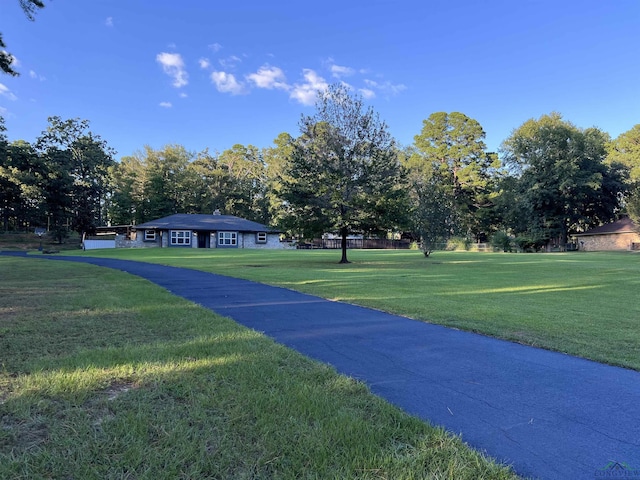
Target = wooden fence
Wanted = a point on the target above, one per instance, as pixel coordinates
(353, 243)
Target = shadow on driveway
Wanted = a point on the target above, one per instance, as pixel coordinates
(549, 415)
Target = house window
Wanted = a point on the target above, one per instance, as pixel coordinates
(227, 239)
(180, 237)
(149, 235)
(261, 237)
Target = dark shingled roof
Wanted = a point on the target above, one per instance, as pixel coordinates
(624, 225)
(186, 221)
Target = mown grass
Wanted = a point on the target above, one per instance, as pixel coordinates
(104, 375)
(585, 304)
(30, 241)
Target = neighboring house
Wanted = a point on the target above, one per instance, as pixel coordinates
(200, 231)
(619, 235)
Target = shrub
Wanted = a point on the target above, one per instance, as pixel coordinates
(458, 243)
(501, 241)
(528, 243)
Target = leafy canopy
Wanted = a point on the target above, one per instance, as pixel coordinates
(343, 175)
(562, 181)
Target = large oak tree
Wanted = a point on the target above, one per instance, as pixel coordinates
(78, 163)
(343, 175)
(562, 181)
(450, 177)
(625, 151)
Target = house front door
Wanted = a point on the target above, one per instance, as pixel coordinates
(203, 240)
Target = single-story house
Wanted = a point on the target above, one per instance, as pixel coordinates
(200, 231)
(622, 234)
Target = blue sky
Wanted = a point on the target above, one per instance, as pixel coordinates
(207, 74)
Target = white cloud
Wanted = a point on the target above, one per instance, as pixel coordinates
(3, 111)
(35, 76)
(165, 104)
(227, 83)
(173, 65)
(230, 62)
(387, 87)
(216, 47)
(269, 77)
(347, 85)
(339, 71)
(109, 22)
(367, 93)
(5, 92)
(183, 95)
(307, 92)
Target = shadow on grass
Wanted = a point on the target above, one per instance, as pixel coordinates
(107, 376)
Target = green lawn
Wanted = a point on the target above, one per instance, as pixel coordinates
(585, 304)
(106, 376)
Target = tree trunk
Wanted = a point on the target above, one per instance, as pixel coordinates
(565, 236)
(343, 233)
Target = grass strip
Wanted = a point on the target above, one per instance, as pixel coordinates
(104, 375)
(581, 303)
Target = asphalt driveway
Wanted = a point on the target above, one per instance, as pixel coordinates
(549, 415)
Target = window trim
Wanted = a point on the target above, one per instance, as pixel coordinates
(261, 237)
(175, 237)
(227, 239)
(149, 235)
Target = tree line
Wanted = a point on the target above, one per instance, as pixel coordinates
(344, 173)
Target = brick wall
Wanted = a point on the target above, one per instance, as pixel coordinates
(136, 240)
(248, 240)
(245, 240)
(619, 241)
